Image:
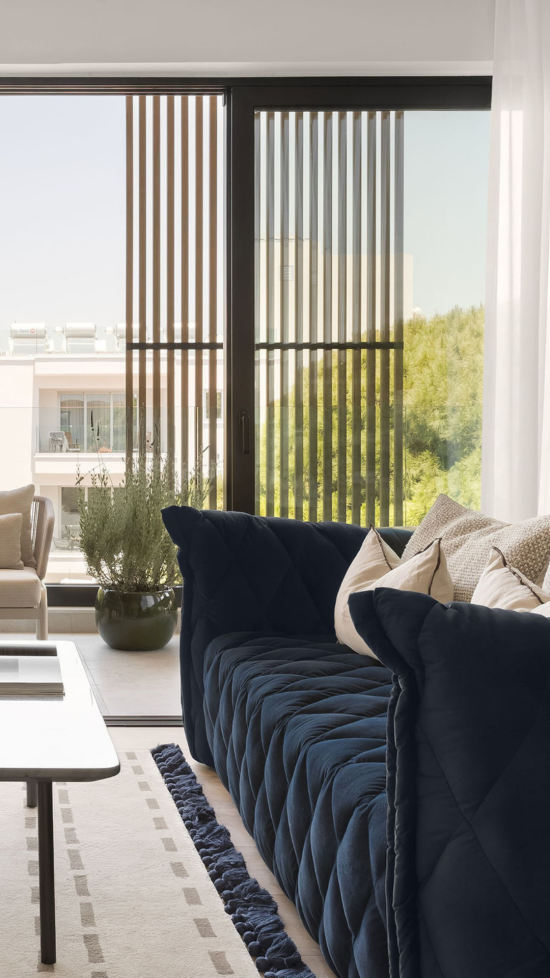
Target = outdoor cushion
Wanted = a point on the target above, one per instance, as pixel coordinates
(19, 588)
(10, 541)
(468, 877)
(20, 501)
(297, 732)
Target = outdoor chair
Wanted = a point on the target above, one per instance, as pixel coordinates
(23, 592)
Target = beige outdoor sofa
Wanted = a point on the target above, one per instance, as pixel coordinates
(23, 592)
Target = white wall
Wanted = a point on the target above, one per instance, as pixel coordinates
(262, 36)
(18, 420)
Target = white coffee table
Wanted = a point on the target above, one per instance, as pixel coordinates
(47, 739)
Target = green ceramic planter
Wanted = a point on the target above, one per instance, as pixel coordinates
(136, 622)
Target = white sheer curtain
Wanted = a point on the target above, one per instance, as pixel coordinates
(516, 409)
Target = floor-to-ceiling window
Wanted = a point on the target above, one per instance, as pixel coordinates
(342, 380)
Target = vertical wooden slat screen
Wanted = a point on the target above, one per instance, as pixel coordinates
(329, 315)
(270, 361)
(260, 278)
(156, 275)
(399, 201)
(284, 218)
(199, 268)
(170, 284)
(129, 277)
(342, 420)
(185, 412)
(173, 226)
(299, 316)
(313, 174)
(371, 320)
(142, 382)
(355, 296)
(212, 303)
(385, 320)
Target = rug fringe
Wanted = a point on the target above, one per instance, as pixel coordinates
(253, 910)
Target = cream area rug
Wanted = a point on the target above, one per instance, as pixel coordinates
(133, 898)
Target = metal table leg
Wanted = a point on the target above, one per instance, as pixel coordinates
(32, 794)
(46, 872)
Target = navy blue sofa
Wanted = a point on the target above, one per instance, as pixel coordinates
(294, 723)
(405, 812)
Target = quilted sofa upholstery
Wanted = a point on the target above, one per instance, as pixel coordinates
(293, 722)
(468, 872)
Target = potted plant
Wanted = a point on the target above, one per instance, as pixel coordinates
(129, 553)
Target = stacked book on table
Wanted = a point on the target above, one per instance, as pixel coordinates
(30, 670)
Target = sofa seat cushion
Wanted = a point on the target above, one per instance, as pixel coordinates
(19, 588)
(297, 728)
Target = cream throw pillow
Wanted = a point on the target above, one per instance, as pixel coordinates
(467, 538)
(376, 565)
(10, 542)
(502, 586)
(20, 501)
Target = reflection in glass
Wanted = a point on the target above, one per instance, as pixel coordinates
(71, 419)
(98, 422)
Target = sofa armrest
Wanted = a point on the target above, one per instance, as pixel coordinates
(247, 573)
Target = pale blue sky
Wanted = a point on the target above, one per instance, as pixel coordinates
(62, 201)
(62, 209)
(446, 180)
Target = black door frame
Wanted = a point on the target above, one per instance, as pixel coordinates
(342, 94)
(243, 97)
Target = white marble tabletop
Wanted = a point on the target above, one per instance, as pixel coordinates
(58, 738)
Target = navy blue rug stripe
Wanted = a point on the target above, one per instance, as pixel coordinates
(253, 910)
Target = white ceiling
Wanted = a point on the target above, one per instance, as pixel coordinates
(246, 36)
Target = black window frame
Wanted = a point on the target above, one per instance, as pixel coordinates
(244, 96)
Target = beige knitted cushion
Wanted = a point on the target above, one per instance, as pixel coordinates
(467, 538)
(20, 501)
(10, 541)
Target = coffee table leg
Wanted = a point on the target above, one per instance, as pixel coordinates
(32, 794)
(46, 872)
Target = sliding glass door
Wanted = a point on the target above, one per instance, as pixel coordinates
(323, 245)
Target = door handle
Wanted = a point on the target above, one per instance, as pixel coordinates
(244, 422)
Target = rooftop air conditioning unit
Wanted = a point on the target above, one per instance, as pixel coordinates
(28, 339)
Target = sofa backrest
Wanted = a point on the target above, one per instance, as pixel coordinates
(257, 574)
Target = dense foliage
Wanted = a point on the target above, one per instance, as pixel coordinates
(122, 535)
(443, 378)
(443, 395)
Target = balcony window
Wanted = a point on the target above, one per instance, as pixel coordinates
(71, 420)
(89, 422)
(69, 536)
(98, 422)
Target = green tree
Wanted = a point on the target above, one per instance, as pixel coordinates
(443, 377)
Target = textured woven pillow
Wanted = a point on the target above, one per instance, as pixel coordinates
(376, 565)
(502, 586)
(20, 501)
(10, 541)
(467, 538)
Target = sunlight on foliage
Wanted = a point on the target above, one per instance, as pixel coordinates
(443, 388)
